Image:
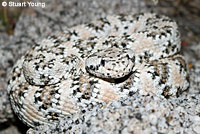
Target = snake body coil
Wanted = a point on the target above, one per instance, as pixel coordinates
(96, 63)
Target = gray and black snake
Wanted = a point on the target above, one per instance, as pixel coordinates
(96, 63)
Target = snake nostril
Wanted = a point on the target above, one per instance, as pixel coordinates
(103, 62)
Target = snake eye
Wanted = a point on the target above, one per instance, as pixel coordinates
(92, 67)
(128, 56)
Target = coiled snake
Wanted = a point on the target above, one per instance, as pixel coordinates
(96, 63)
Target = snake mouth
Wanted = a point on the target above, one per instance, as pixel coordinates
(118, 80)
(114, 80)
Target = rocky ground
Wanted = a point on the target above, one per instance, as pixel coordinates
(151, 114)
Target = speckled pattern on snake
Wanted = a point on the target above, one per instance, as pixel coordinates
(96, 63)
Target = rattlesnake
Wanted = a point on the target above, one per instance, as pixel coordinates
(96, 63)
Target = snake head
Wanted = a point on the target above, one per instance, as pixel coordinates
(110, 63)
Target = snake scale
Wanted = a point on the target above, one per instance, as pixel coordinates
(96, 63)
